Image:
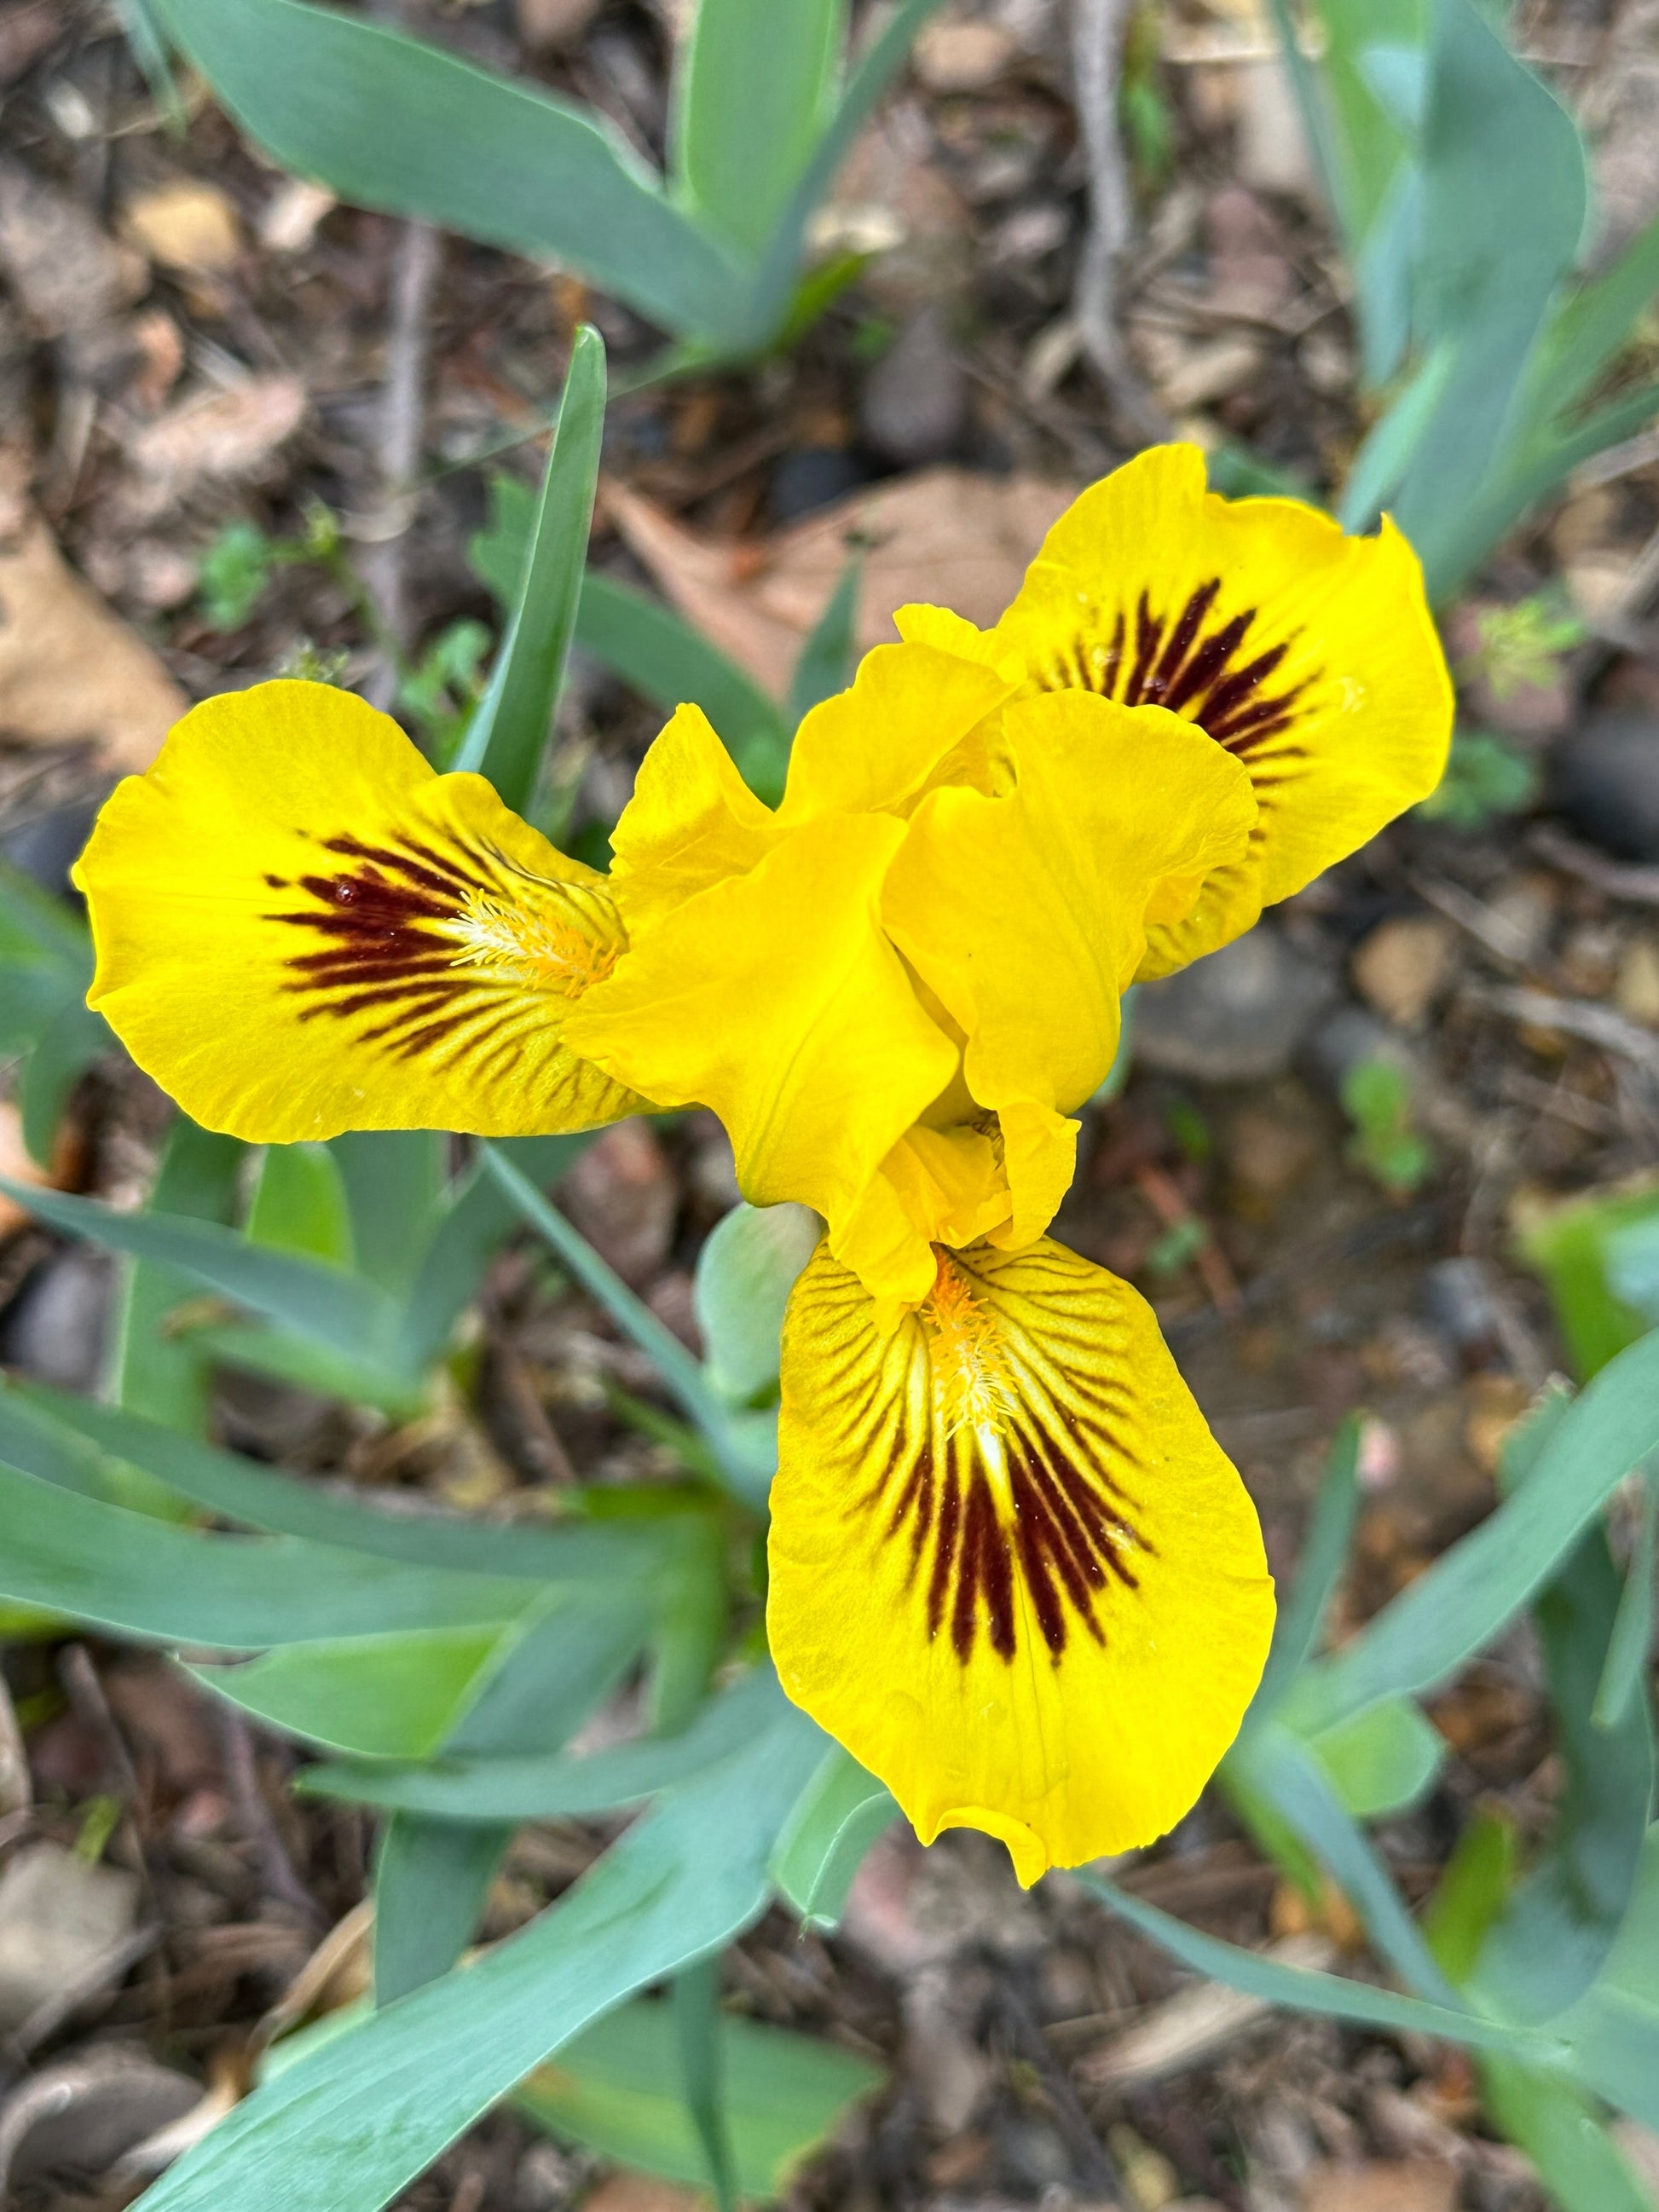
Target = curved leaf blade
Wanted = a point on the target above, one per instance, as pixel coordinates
(389, 122)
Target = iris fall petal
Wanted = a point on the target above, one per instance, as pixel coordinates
(1310, 656)
(302, 928)
(1012, 1571)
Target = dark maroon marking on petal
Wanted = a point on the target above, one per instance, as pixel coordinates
(1065, 1539)
(1224, 699)
(965, 1610)
(1079, 1543)
(985, 1578)
(1186, 626)
(1109, 1527)
(1206, 665)
(381, 953)
(1036, 1540)
(1149, 634)
(944, 1544)
(1177, 667)
(1253, 726)
(447, 882)
(997, 1575)
(277, 883)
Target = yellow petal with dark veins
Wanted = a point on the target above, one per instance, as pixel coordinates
(1012, 1571)
(1310, 656)
(302, 929)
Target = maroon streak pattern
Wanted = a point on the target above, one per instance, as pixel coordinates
(1019, 1500)
(1210, 677)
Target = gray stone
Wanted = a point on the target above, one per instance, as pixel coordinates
(82, 2115)
(57, 1329)
(914, 408)
(1238, 1016)
(59, 1917)
(814, 476)
(1605, 779)
(1348, 1038)
(46, 846)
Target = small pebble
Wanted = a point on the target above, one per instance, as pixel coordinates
(815, 477)
(1605, 779)
(963, 56)
(914, 408)
(185, 224)
(1403, 965)
(56, 1330)
(1238, 1016)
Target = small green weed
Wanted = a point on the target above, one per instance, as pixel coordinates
(1377, 1098)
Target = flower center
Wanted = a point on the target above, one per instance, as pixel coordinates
(530, 943)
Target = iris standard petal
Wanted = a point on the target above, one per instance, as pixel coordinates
(876, 746)
(302, 928)
(691, 821)
(1026, 914)
(775, 998)
(1012, 1571)
(1309, 656)
(935, 1187)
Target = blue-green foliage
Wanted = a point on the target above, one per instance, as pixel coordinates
(713, 252)
(1547, 1970)
(1461, 183)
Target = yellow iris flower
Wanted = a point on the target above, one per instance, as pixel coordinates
(1010, 1569)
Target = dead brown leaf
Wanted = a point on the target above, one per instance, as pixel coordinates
(185, 223)
(218, 436)
(1198, 2020)
(69, 668)
(338, 1972)
(945, 535)
(1396, 2185)
(68, 275)
(25, 33)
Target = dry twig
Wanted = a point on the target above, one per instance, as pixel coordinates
(1097, 30)
(1619, 879)
(414, 270)
(1095, 2167)
(1579, 1018)
(276, 1868)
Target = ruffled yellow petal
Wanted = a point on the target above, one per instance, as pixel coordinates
(1012, 1571)
(302, 928)
(946, 631)
(876, 746)
(691, 821)
(1026, 914)
(776, 999)
(1309, 656)
(1039, 1159)
(935, 1187)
